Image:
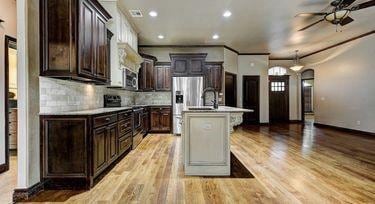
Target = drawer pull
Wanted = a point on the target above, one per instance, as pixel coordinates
(108, 119)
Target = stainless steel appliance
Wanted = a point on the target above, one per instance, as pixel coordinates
(130, 80)
(137, 126)
(187, 91)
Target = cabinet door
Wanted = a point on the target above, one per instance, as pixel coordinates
(112, 137)
(180, 66)
(149, 75)
(101, 49)
(155, 119)
(165, 120)
(87, 43)
(162, 78)
(197, 66)
(214, 76)
(100, 150)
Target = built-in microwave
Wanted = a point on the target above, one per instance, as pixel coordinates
(130, 79)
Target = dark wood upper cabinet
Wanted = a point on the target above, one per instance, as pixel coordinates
(187, 64)
(214, 75)
(163, 77)
(74, 40)
(146, 74)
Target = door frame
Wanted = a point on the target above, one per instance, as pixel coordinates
(303, 99)
(243, 94)
(8, 40)
(235, 85)
(287, 96)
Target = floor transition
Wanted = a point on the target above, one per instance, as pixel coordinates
(271, 164)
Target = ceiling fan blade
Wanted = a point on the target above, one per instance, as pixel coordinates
(346, 21)
(346, 3)
(302, 29)
(310, 14)
(363, 5)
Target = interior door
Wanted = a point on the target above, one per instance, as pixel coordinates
(230, 89)
(307, 94)
(279, 98)
(250, 99)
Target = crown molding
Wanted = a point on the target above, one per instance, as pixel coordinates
(259, 53)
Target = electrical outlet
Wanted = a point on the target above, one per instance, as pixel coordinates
(358, 122)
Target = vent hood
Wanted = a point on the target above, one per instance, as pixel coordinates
(129, 58)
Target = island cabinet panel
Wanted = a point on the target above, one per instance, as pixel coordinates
(161, 119)
(74, 41)
(77, 149)
(214, 75)
(188, 64)
(163, 78)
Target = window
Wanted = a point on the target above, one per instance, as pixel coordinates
(277, 71)
(277, 86)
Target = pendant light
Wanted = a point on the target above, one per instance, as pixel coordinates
(297, 66)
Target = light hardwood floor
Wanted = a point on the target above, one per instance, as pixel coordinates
(289, 163)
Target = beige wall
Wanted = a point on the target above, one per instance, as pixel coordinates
(255, 65)
(345, 85)
(8, 13)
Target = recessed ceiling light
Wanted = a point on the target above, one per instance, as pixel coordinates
(215, 37)
(153, 13)
(227, 14)
(161, 36)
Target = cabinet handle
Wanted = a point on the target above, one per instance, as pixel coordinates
(108, 119)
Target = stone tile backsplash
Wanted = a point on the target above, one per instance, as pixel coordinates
(153, 98)
(63, 95)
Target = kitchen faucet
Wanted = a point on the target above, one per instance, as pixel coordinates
(215, 101)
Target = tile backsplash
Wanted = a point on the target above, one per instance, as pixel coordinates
(153, 98)
(63, 95)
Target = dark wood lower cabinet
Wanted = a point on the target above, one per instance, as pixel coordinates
(161, 119)
(76, 150)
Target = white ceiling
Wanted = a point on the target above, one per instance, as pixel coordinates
(266, 26)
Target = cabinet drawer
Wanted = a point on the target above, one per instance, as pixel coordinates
(104, 120)
(124, 126)
(125, 115)
(124, 144)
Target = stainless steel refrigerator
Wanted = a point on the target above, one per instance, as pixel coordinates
(187, 91)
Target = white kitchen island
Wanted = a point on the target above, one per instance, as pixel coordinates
(206, 139)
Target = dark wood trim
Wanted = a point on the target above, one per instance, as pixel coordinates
(24, 194)
(8, 39)
(231, 49)
(235, 86)
(348, 130)
(147, 56)
(281, 58)
(163, 63)
(254, 53)
(338, 44)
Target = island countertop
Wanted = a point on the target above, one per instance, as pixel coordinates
(221, 109)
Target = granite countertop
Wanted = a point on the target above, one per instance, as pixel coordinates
(89, 112)
(98, 111)
(221, 109)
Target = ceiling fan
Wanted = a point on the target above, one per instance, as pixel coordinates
(339, 15)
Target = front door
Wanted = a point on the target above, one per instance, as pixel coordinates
(279, 98)
(251, 99)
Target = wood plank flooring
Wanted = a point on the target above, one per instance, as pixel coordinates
(287, 163)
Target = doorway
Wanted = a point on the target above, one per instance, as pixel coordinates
(279, 98)
(10, 99)
(307, 95)
(230, 89)
(250, 99)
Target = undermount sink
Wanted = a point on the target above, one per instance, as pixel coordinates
(201, 108)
